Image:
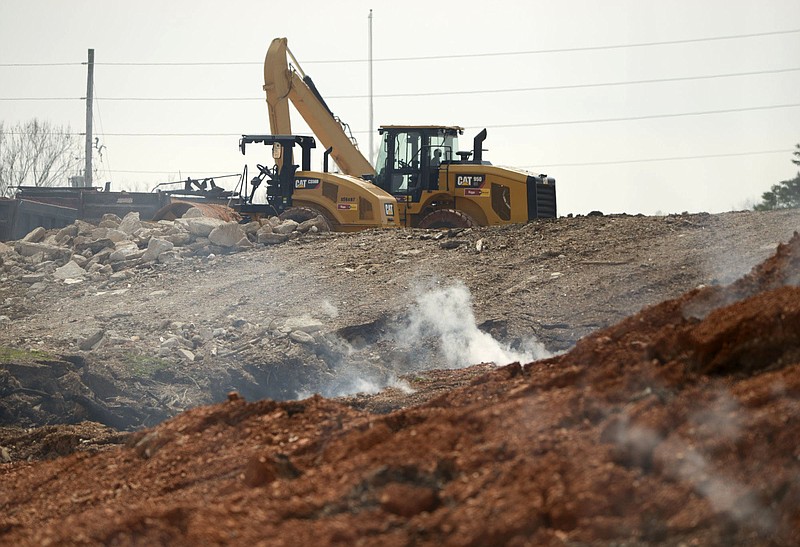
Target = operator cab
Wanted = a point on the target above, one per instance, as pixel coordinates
(410, 157)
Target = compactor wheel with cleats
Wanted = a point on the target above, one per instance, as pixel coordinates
(302, 214)
(447, 218)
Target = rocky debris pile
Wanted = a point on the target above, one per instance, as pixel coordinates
(115, 246)
(37, 388)
(52, 383)
(50, 442)
(678, 425)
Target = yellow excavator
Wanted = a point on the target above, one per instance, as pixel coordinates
(422, 179)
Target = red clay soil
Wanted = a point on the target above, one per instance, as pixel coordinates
(680, 425)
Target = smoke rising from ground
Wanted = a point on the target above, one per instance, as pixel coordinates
(437, 331)
(445, 315)
(681, 461)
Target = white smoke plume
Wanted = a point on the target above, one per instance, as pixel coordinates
(445, 315)
(438, 331)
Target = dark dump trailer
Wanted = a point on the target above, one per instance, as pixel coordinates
(58, 207)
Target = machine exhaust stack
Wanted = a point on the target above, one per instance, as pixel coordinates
(477, 147)
(325, 159)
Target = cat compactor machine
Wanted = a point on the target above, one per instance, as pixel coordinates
(420, 168)
(294, 191)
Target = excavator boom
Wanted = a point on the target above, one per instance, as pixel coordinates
(282, 83)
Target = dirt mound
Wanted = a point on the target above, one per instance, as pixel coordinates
(678, 425)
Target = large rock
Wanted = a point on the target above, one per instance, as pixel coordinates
(302, 323)
(50, 252)
(92, 341)
(125, 250)
(227, 235)
(286, 227)
(48, 267)
(84, 227)
(200, 226)
(66, 233)
(36, 235)
(100, 269)
(302, 337)
(193, 212)
(186, 354)
(70, 270)
(198, 244)
(125, 264)
(30, 279)
(109, 233)
(169, 257)
(80, 260)
(130, 223)
(319, 223)
(100, 257)
(109, 220)
(269, 238)
(179, 238)
(251, 228)
(82, 243)
(155, 248)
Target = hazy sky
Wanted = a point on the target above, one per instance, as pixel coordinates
(591, 138)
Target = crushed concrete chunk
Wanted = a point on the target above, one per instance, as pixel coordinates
(227, 235)
(70, 270)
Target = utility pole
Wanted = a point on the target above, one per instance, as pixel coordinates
(87, 173)
(371, 128)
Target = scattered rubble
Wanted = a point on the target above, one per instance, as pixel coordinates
(83, 249)
(99, 260)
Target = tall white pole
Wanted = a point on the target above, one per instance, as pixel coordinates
(371, 126)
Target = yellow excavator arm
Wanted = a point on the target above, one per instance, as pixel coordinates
(282, 83)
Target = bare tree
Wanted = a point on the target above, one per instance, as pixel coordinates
(36, 153)
(2, 163)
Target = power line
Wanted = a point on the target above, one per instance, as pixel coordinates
(12, 65)
(434, 57)
(163, 171)
(626, 119)
(170, 134)
(436, 93)
(494, 126)
(567, 50)
(575, 86)
(497, 54)
(187, 63)
(102, 133)
(581, 164)
(636, 118)
(42, 98)
(650, 160)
